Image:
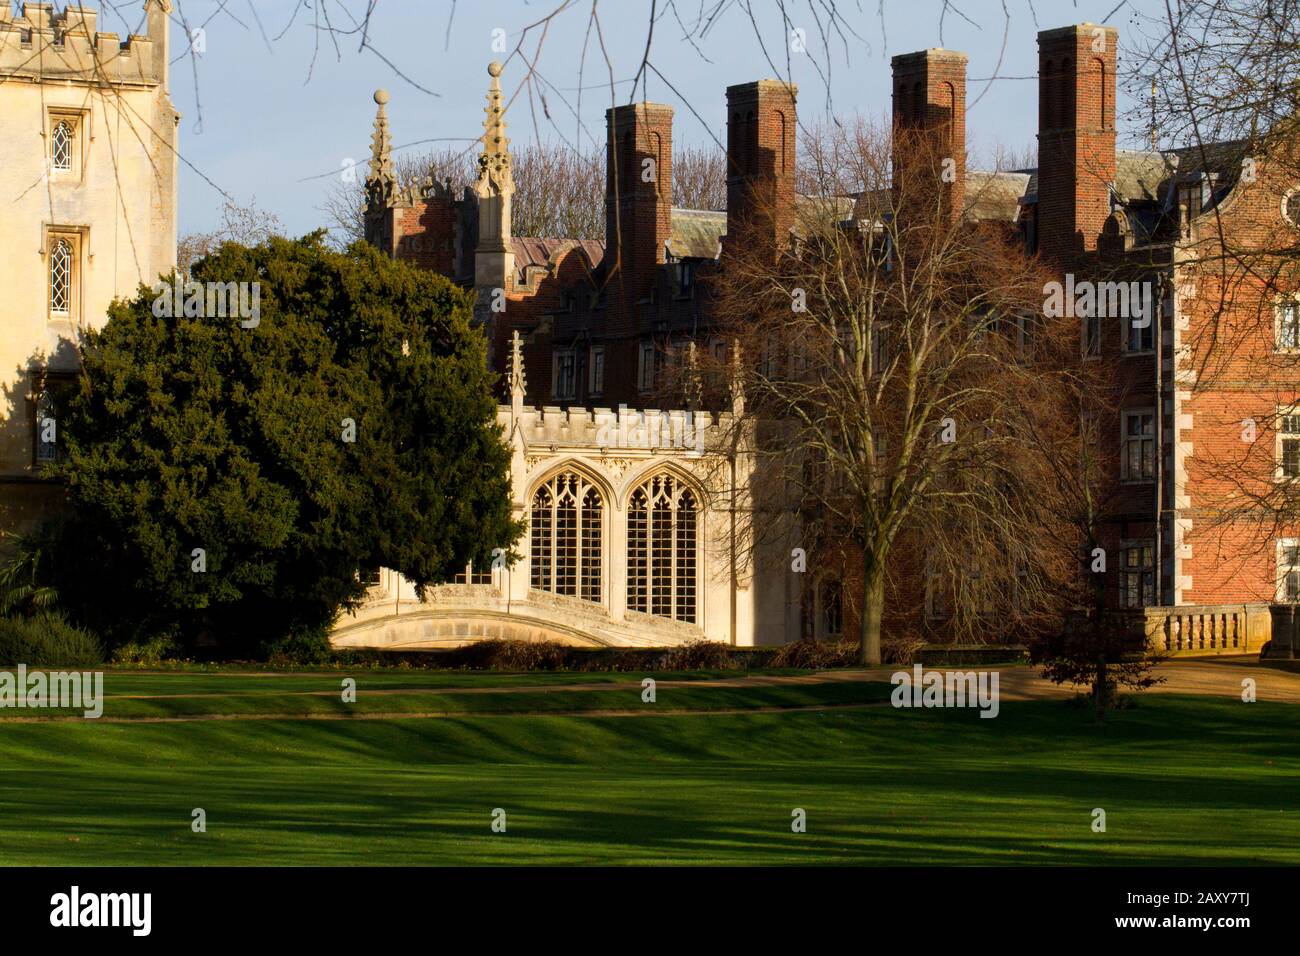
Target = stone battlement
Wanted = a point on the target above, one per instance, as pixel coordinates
(42, 44)
(605, 428)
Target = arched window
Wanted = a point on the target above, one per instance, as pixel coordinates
(61, 145)
(47, 445)
(61, 277)
(629, 172)
(948, 109)
(749, 147)
(1046, 90)
(657, 157)
(781, 141)
(661, 532)
(1066, 118)
(566, 537)
(1099, 77)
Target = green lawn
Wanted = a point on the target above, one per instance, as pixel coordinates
(1183, 780)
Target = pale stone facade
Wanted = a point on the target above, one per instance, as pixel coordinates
(637, 521)
(88, 149)
(637, 575)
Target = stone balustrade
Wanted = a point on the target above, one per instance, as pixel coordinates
(1207, 629)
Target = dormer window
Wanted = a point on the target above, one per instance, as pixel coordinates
(1195, 195)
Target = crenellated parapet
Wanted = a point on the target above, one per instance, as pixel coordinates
(600, 430)
(43, 44)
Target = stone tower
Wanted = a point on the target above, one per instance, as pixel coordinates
(88, 149)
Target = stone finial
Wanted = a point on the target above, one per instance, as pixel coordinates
(494, 173)
(737, 382)
(381, 181)
(518, 384)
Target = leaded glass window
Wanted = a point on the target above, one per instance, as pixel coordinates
(662, 527)
(566, 537)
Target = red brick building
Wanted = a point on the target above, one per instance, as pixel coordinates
(599, 319)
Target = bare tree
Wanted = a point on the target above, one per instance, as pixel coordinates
(885, 357)
(246, 225)
(699, 177)
(558, 193)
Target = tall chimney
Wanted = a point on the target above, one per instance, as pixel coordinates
(1076, 137)
(761, 124)
(638, 200)
(930, 119)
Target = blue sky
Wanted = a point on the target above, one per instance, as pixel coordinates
(261, 119)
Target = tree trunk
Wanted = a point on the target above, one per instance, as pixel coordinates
(1101, 689)
(873, 595)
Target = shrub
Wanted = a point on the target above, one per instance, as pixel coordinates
(697, 656)
(48, 640)
(507, 655)
(305, 644)
(612, 660)
(814, 655)
(148, 651)
(903, 647)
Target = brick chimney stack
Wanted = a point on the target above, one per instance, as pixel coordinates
(1076, 137)
(638, 200)
(761, 124)
(930, 116)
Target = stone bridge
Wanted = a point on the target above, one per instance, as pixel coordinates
(458, 614)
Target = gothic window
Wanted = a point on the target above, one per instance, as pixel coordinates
(61, 264)
(566, 536)
(662, 524)
(47, 443)
(61, 141)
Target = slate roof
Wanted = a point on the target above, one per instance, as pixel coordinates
(1142, 181)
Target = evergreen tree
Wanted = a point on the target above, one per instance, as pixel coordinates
(233, 475)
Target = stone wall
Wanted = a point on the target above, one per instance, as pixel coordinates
(115, 204)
